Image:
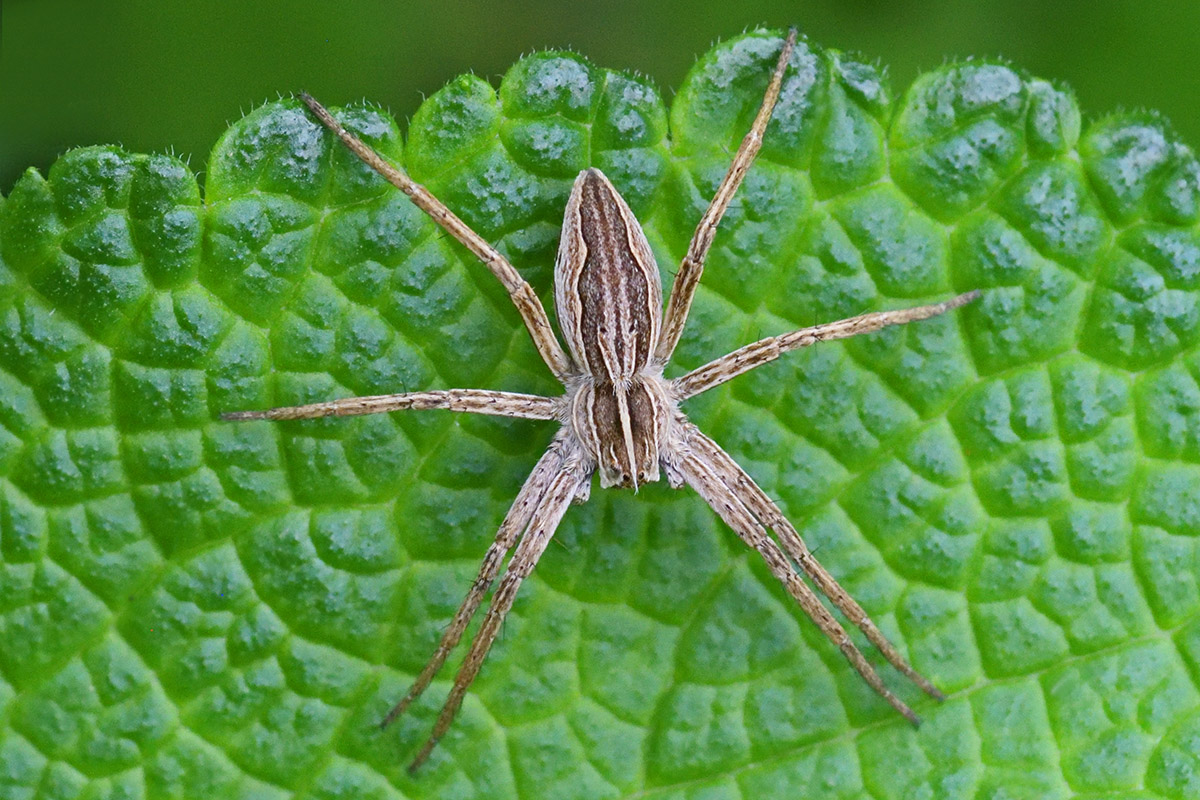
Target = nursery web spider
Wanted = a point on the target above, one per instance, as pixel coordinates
(619, 416)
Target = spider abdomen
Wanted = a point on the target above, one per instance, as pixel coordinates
(607, 288)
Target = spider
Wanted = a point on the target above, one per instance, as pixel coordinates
(619, 416)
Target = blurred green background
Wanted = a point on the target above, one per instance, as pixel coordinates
(159, 75)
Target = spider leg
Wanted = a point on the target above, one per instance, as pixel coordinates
(515, 521)
(471, 401)
(545, 518)
(522, 294)
(692, 266)
(753, 355)
(758, 503)
(701, 474)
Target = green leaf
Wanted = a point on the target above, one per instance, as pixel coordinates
(193, 609)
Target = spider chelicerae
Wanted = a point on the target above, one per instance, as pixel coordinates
(619, 416)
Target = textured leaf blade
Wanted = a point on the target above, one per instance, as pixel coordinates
(193, 608)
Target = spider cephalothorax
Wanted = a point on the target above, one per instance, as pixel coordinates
(620, 418)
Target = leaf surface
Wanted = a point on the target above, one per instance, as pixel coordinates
(191, 608)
